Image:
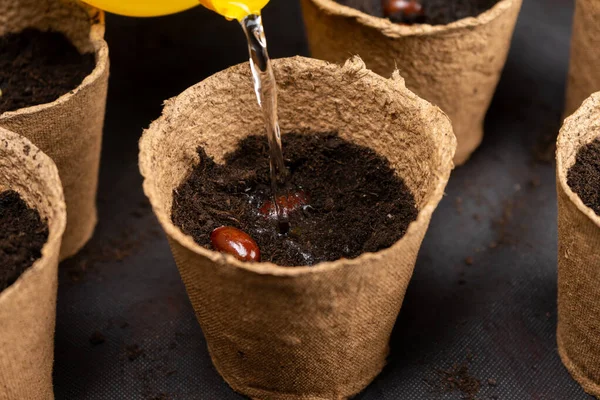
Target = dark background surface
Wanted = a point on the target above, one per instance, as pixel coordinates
(497, 317)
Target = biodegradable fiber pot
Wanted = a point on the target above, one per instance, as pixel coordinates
(584, 70)
(28, 307)
(317, 332)
(69, 130)
(578, 256)
(455, 66)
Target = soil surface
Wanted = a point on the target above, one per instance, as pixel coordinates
(584, 176)
(356, 203)
(22, 237)
(38, 67)
(435, 12)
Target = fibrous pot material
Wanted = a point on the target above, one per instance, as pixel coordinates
(578, 256)
(317, 332)
(455, 66)
(68, 130)
(584, 70)
(28, 306)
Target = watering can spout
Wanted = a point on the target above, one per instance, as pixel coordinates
(230, 9)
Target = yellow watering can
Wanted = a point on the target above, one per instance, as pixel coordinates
(230, 9)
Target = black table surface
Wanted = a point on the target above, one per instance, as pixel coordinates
(496, 317)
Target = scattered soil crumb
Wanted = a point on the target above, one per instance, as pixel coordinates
(462, 281)
(459, 379)
(469, 260)
(125, 244)
(458, 204)
(492, 382)
(134, 352)
(103, 251)
(97, 338)
(456, 379)
(535, 182)
(502, 225)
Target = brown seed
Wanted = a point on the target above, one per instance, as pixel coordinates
(288, 203)
(403, 11)
(239, 244)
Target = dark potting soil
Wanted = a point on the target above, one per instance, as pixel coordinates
(38, 67)
(435, 12)
(22, 236)
(356, 202)
(584, 176)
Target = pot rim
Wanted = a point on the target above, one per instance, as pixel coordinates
(97, 29)
(393, 30)
(589, 106)
(59, 210)
(267, 268)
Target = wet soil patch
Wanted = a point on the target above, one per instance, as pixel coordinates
(355, 203)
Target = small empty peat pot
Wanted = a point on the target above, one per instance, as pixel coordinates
(578, 175)
(28, 304)
(67, 126)
(455, 66)
(306, 332)
(584, 73)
